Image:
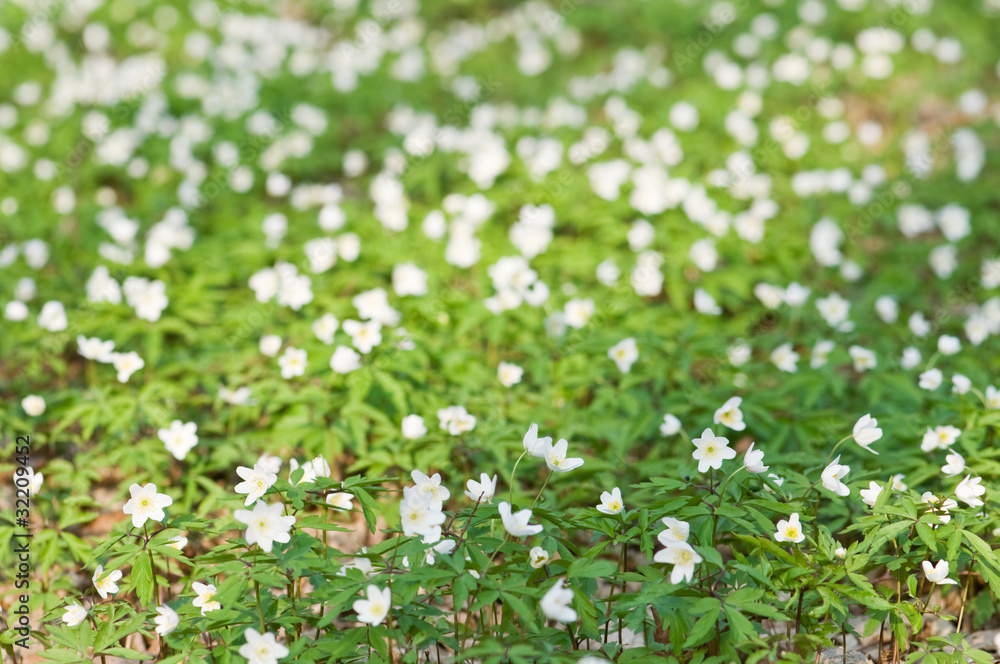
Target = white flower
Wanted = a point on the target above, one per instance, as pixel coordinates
(670, 426)
(866, 432)
(864, 359)
(270, 345)
(408, 279)
(931, 379)
(870, 495)
(177, 542)
(937, 573)
(364, 336)
(940, 437)
(534, 445)
(955, 464)
(509, 374)
(340, 500)
(969, 490)
(960, 384)
(126, 364)
(910, 358)
(413, 427)
(256, 482)
(682, 556)
(624, 353)
(483, 490)
(949, 345)
(325, 327)
(753, 460)
(261, 648)
(785, 358)
(166, 620)
(992, 398)
(430, 486)
(375, 607)
(95, 349)
(711, 451)
(33, 405)
(730, 415)
(611, 503)
(344, 360)
(179, 438)
(318, 467)
(834, 309)
(420, 514)
(840, 552)
(517, 524)
(205, 592)
(146, 504)
(832, 475)
(790, 530)
(265, 524)
(820, 353)
(109, 584)
(555, 604)
(293, 362)
(677, 531)
(555, 457)
(705, 303)
(538, 557)
(75, 614)
(52, 317)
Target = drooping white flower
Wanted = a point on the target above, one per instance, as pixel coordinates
(340, 500)
(938, 573)
(931, 379)
(969, 490)
(753, 460)
(344, 360)
(534, 445)
(670, 426)
(517, 524)
(871, 494)
(166, 620)
(866, 432)
(555, 604)
(74, 615)
(95, 349)
(832, 475)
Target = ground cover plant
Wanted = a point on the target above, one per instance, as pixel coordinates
(499, 332)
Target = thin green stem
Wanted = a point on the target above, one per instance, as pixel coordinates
(260, 605)
(512, 476)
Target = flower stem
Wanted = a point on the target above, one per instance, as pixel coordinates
(260, 605)
(512, 476)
